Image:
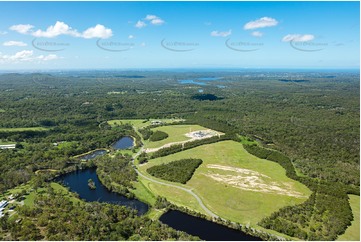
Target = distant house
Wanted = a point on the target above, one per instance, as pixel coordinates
(156, 122)
(11, 146)
(3, 204)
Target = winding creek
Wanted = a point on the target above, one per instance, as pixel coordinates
(204, 229)
(77, 181)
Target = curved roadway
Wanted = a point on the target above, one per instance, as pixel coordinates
(209, 212)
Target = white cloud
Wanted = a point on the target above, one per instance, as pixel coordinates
(143, 44)
(26, 56)
(131, 37)
(261, 23)
(61, 28)
(150, 17)
(140, 24)
(47, 57)
(14, 43)
(157, 21)
(257, 34)
(298, 37)
(217, 33)
(99, 31)
(21, 28)
(22, 55)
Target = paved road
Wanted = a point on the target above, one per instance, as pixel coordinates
(209, 212)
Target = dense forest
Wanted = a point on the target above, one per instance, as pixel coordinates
(63, 219)
(323, 216)
(311, 126)
(116, 170)
(158, 135)
(176, 171)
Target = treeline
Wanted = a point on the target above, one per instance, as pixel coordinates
(18, 136)
(321, 217)
(176, 171)
(211, 123)
(158, 135)
(54, 217)
(273, 155)
(325, 215)
(146, 132)
(189, 145)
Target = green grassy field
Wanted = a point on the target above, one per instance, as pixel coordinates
(67, 144)
(23, 129)
(6, 142)
(353, 232)
(224, 196)
(176, 196)
(176, 134)
(29, 200)
(2, 110)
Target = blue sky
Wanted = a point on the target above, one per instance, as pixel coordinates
(108, 35)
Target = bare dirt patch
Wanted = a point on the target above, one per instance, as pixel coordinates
(250, 181)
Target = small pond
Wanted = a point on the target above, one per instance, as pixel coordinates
(93, 154)
(123, 143)
(77, 181)
(204, 229)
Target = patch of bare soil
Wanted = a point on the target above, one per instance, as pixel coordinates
(249, 180)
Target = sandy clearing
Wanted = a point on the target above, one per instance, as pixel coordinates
(238, 170)
(251, 181)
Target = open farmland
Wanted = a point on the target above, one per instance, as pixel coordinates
(251, 188)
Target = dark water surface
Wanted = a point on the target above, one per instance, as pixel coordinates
(77, 181)
(93, 154)
(125, 142)
(204, 229)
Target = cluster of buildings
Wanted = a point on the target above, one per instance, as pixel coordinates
(156, 122)
(200, 134)
(11, 146)
(3, 204)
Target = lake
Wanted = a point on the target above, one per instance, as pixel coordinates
(209, 78)
(192, 82)
(77, 181)
(201, 81)
(204, 229)
(123, 143)
(93, 154)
